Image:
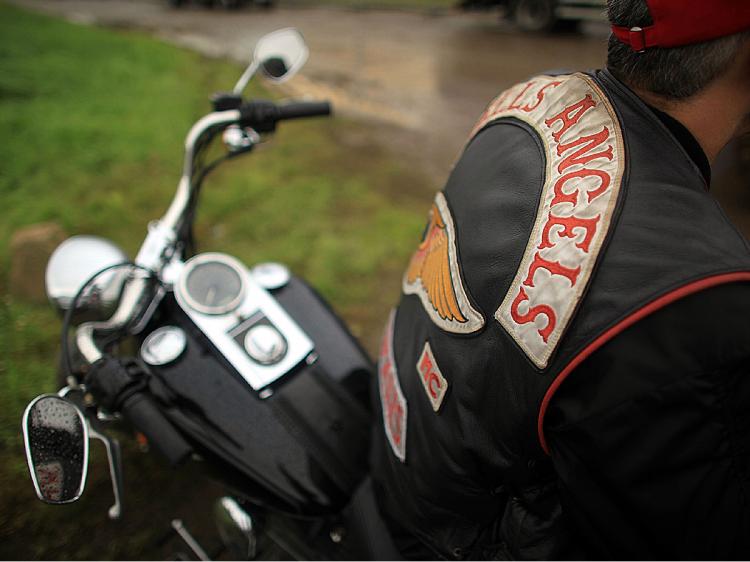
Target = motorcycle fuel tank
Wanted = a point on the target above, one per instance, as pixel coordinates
(299, 444)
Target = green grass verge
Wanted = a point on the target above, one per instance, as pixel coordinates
(91, 127)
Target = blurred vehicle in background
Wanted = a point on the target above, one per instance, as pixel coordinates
(226, 4)
(543, 15)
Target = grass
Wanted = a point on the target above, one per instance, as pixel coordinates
(91, 128)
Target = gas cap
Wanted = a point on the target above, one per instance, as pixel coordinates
(163, 345)
(271, 275)
(265, 344)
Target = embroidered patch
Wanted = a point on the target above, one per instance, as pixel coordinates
(432, 379)
(433, 275)
(391, 397)
(584, 152)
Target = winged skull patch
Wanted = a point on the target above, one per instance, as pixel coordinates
(434, 276)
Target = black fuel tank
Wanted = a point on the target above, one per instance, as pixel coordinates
(302, 449)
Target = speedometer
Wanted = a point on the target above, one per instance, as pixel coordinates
(212, 283)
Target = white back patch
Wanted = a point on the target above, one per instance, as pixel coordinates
(585, 162)
(392, 398)
(432, 379)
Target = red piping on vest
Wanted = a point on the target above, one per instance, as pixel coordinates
(653, 306)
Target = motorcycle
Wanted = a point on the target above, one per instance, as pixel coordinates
(245, 371)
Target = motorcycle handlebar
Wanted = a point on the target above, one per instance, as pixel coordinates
(143, 414)
(301, 109)
(260, 115)
(263, 115)
(119, 386)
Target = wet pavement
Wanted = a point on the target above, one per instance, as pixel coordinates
(421, 79)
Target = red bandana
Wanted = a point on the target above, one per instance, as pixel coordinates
(683, 22)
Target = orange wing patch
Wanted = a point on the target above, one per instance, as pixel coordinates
(430, 264)
(433, 275)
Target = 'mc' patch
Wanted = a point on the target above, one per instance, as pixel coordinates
(391, 396)
(584, 153)
(433, 381)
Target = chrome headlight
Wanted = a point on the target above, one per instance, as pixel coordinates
(74, 262)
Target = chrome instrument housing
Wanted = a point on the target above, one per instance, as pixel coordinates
(226, 275)
(241, 307)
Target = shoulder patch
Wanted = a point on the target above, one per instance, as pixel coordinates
(432, 379)
(392, 398)
(433, 275)
(585, 162)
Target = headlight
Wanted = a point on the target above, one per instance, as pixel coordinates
(74, 262)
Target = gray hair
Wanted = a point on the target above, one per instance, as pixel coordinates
(676, 73)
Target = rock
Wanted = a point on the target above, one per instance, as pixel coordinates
(30, 248)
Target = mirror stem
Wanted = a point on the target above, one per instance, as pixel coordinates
(114, 459)
(245, 78)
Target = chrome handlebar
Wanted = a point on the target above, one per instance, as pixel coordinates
(176, 211)
(158, 248)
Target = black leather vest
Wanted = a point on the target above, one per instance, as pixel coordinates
(572, 213)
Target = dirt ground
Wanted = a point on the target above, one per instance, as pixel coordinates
(421, 79)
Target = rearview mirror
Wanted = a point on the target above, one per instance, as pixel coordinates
(281, 53)
(57, 448)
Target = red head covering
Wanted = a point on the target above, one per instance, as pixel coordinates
(683, 22)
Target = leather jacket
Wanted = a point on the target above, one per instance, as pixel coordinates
(574, 269)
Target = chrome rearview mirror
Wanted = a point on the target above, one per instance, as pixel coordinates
(74, 262)
(280, 54)
(56, 437)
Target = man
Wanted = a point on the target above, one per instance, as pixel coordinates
(568, 371)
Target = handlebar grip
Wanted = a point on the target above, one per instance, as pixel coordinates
(300, 109)
(143, 414)
(262, 115)
(118, 385)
